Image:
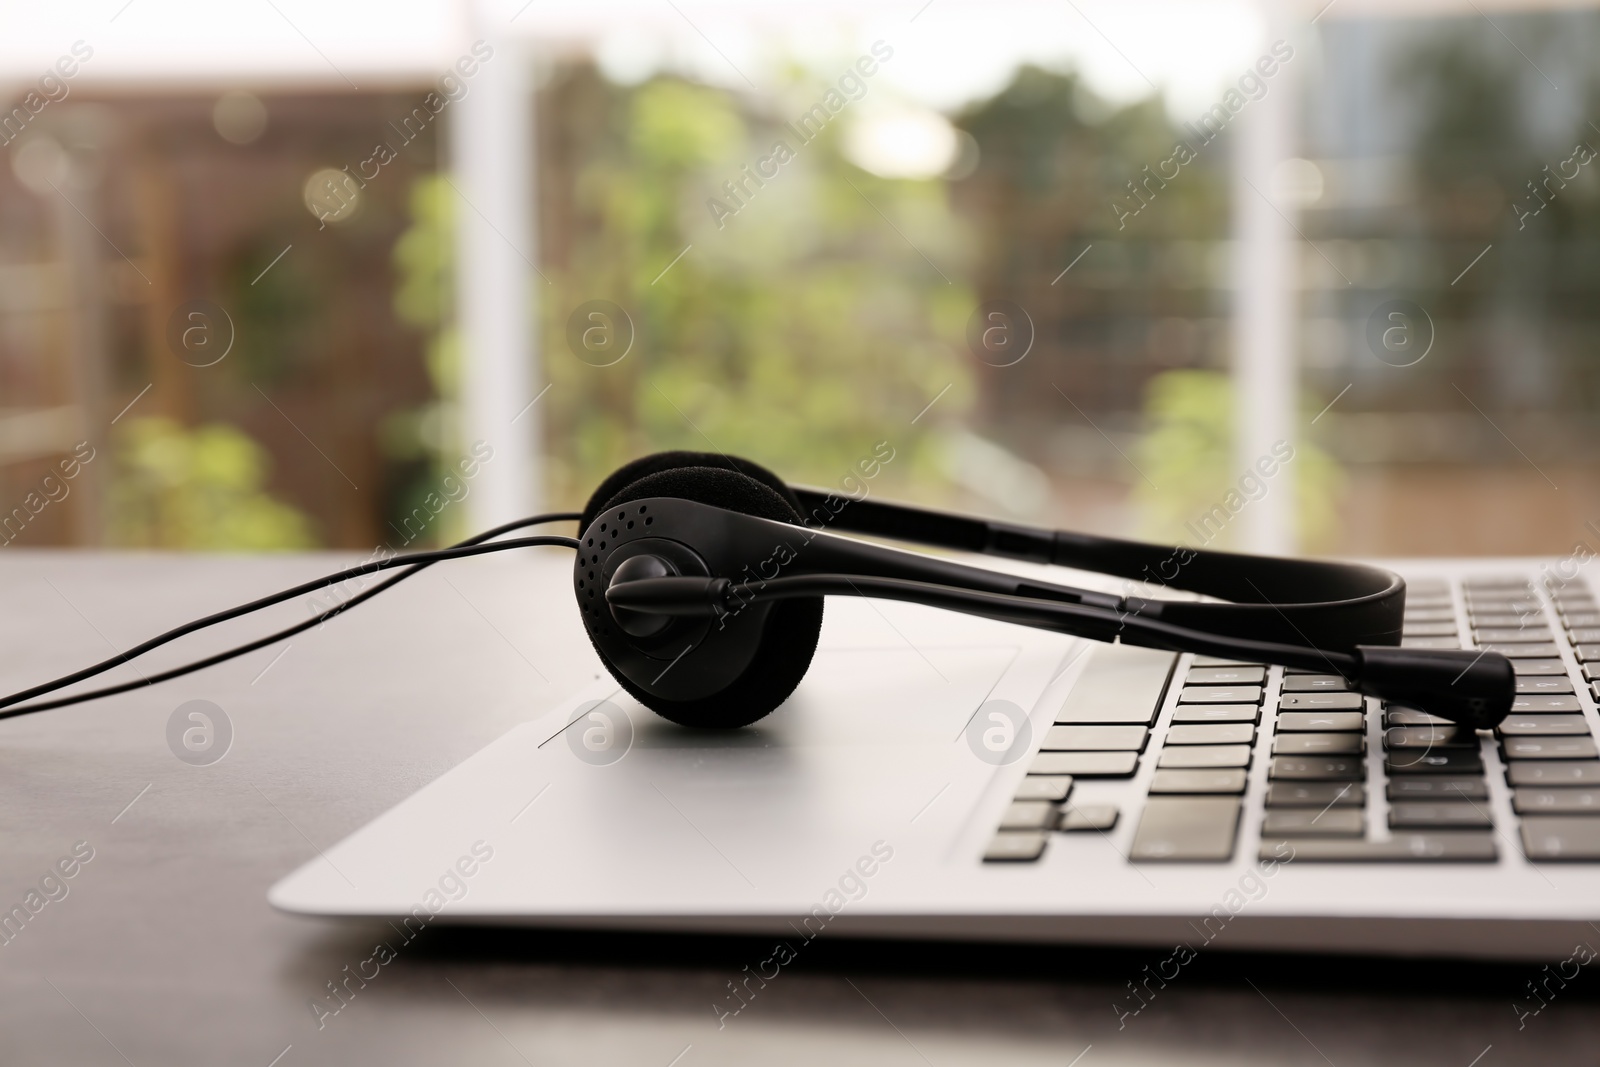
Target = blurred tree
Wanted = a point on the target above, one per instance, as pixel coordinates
(798, 329)
(1067, 178)
(1494, 159)
(198, 489)
(1188, 453)
(420, 440)
(1063, 173)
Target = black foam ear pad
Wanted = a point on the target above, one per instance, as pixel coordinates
(792, 627)
(656, 462)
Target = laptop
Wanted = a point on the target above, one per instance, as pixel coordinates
(944, 777)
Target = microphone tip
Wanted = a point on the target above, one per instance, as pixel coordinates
(1470, 687)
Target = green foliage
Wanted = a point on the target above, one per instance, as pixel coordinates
(424, 257)
(198, 489)
(797, 331)
(1188, 452)
(679, 127)
(418, 439)
(281, 319)
(1064, 157)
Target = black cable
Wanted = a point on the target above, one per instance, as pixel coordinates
(222, 657)
(1081, 620)
(415, 562)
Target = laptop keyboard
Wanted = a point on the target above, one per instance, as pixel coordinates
(1348, 778)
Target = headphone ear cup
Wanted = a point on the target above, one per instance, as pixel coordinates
(792, 627)
(628, 473)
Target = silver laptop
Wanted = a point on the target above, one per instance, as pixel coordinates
(938, 776)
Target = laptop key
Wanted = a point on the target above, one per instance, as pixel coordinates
(1055, 787)
(1319, 744)
(1028, 815)
(1220, 694)
(1398, 716)
(1450, 736)
(1226, 676)
(1583, 635)
(1554, 772)
(1543, 725)
(1088, 817)
(1543, 686)
(1429, 787)
(1550, 748)
(1429, 614)
(1513, 615)
(1451, 846)
(1433, 761)
(1561, 837)
(1511, 634)
(1428, 629)
(1205, 756)
(1121, 684)
(1430, 642)
(1086, 764)
(1537, 702)
(1316, 794)
(1521, 650)
(1587, 653)
(1321, 702)
(1095, 739)
(1529, 668)
(1317, 768)
(1314, 683)
(1015, 846)
(1509, 621)
(1426, 815)
(1576, 619)
(1330, 822)
(1219, 733)
(1503, 605)
(1201, 780)
(1250, 713)
(1320, 721)
(1186, 828)
(1555, 801)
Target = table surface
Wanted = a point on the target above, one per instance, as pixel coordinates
(164, 950)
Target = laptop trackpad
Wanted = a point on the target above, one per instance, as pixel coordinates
(684, 820)
(867, 741)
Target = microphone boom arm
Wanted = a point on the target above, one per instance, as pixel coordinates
(1431, 679)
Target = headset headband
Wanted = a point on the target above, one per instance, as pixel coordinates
(1314, 603)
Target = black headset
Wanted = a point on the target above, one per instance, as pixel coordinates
(700, 580)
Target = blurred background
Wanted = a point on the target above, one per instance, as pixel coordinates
(284, 275)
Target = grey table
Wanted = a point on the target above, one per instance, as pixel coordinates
(164, 950)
